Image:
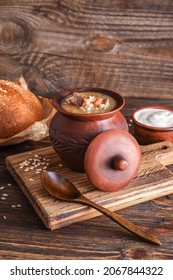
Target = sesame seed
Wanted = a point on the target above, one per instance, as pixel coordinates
(4, 217)
(39, 169)
(2, 188)
(13, 206)
(3, 198)
(31, 167)
(34, 163)
(26, 169)
(5, 194)
(19, 205)
(9, 185)
(31, 179)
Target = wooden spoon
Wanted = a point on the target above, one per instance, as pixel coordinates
(65, 190)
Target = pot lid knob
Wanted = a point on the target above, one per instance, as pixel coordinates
(119, 163)
(112, 160)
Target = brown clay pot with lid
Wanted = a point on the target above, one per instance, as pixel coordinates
(70, 133)
(82, 143)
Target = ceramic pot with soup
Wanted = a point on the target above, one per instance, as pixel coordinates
(81, 115)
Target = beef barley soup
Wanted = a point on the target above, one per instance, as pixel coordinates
(88, 103)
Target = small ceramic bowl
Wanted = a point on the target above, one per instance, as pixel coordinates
(153, 124)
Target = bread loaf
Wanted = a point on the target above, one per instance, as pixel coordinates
(19, 109)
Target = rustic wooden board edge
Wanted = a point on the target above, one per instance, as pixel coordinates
(88, 213)
(115, 207)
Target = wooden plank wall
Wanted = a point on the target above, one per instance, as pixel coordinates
(57, 44)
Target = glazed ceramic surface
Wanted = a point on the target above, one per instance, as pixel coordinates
(153, 124)
(116, 160)
(70, 134)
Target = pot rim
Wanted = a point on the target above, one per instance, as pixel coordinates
(59, 96)
(150, 127)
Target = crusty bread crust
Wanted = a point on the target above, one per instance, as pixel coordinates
(19, 108)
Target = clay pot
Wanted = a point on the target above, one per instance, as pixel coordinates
(147, 134)
(70, 134)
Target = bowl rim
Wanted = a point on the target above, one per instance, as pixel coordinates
(59, 96)
(150, 127)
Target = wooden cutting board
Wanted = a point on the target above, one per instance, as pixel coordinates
(154, 180)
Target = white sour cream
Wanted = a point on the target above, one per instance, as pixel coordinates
(155, 117)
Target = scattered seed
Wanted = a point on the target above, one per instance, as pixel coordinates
(2, 188)
(4, 217)
(3, 198)
(34, 163)
(130, 124)
(13, 206)
(5, 194)
(60, 164)
(26, 169)
(19, 205)
(31, 167)
(31, 179)
(9, 185)
(39, 169)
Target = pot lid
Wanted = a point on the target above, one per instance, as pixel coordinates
(112, 160)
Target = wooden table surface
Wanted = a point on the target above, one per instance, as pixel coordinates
(23, 235)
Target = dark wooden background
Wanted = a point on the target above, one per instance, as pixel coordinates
(124, 45)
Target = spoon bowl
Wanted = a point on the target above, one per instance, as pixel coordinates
(59, 187)
(64, 189)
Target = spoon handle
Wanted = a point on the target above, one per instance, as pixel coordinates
(121, 221)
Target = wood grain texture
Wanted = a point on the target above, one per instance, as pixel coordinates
(125, 46)
(153, 180)
(23, 235)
